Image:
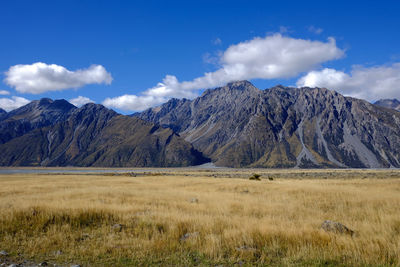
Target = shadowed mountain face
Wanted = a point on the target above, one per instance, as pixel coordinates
(239, 125)
(34, 115)
(96, 136)
(3, 114)
(389, 103)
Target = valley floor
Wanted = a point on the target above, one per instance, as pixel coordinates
(202, 217)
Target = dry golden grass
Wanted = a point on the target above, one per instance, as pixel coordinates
(235, 221)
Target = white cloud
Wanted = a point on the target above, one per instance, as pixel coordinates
(80, 101)
(4, 92)
(367, 83)
(328, 78)
(133, 102)
(315, 30)
(14, 102)
(274, 56)
(170, 87)
(40, 77)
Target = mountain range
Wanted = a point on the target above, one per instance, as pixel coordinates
(237, 125)
(88, 136)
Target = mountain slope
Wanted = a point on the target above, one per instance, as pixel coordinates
(96, 136)
(3, 114)
(38, 113)
(239, 125)
(389, 103)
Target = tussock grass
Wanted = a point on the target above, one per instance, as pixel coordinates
(235, 221)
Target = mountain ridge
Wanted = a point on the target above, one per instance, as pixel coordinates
(36, 114)
(283, 127)
(236, 125)
(96, 136)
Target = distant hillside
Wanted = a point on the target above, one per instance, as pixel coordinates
(95, 136)
(238, 125)
(389, 103)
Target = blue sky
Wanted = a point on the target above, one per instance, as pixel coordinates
(138, 43)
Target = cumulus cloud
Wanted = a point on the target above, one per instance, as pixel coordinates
(274, 56)
(367, 83)
(4, 92)
(14, 102)
(80, 101)
(168, 88)
(40, 77)
(133, 102)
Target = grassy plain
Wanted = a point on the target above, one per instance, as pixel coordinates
(200, 217)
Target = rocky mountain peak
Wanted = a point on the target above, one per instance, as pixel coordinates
(241, 85)
(61, 104)
(279, 87)
(94, 107)
(389, 103)
(91, 111)
(172, 103)
(233, 89)
(45, 101)
(43, 106)
(36, 114)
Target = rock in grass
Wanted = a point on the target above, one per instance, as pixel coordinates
(336, 227)
(43, 263)
(75, 265)
(189, 235)
(117, 227)
(3, 253)
(194, 200)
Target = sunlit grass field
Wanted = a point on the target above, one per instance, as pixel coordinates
(189, 217)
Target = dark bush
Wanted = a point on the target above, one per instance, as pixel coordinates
(255, 177)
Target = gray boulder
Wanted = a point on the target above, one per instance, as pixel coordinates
(189, 235)
(336, 227)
